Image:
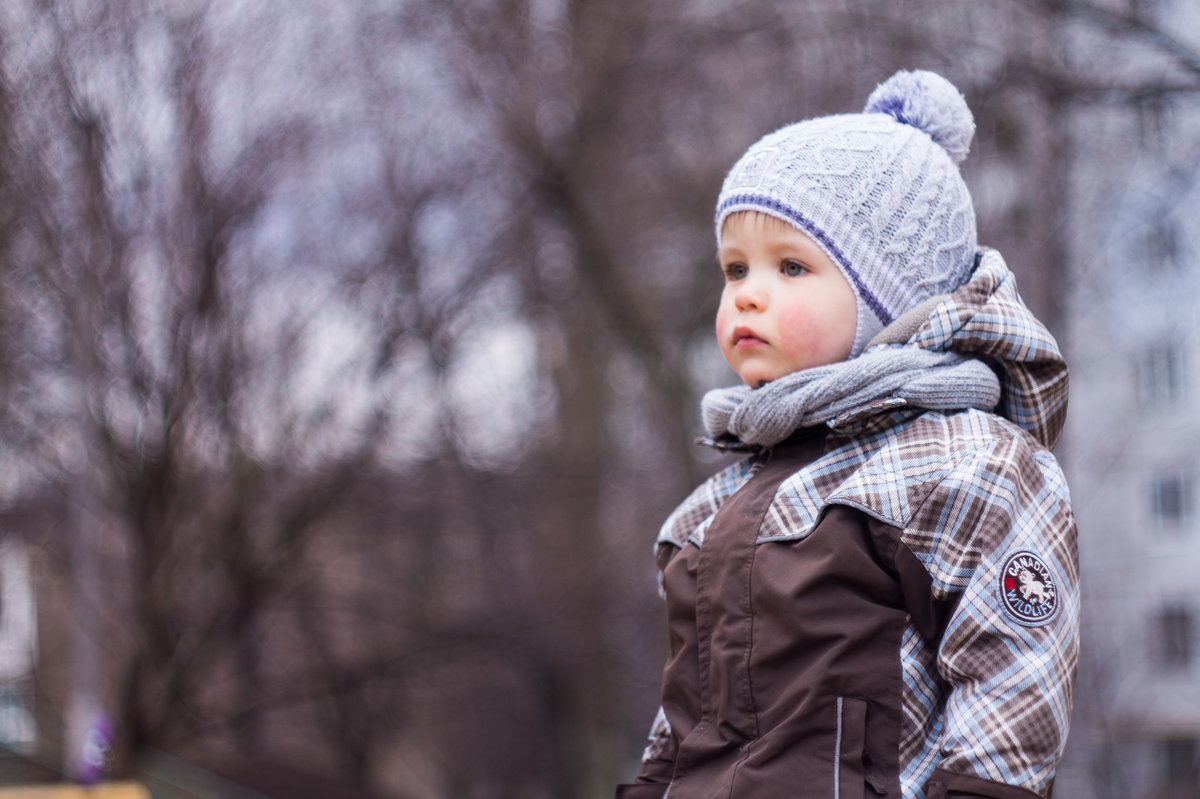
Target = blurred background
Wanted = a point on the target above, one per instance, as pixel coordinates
(350, 355)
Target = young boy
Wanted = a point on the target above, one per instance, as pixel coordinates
(881, 598)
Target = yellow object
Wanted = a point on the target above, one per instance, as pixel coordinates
(106, 790)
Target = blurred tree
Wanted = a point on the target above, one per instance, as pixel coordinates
(165, 388)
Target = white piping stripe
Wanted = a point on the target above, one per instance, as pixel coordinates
(837, 753)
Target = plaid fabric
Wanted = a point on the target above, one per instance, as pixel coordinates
(694, 514)
(987, 319)
(658, 742)
(970, 493)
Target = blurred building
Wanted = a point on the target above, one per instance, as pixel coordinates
(1132, 450)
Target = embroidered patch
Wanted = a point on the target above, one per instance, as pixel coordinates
(1028, 589)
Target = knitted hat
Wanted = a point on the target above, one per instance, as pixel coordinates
(880, 192)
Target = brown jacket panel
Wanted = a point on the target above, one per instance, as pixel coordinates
(793, 653)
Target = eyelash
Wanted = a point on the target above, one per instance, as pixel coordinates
(731, 270)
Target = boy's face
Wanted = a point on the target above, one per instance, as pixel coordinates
(786, 306)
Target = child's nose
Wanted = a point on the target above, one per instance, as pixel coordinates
(750, 297)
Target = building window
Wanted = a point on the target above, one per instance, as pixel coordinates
(1161, 376)
(1169, 497)
(1175, 625)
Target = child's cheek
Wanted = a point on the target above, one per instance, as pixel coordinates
(800, 330)
(722, 315)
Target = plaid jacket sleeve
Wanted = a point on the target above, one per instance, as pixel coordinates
(997, 537)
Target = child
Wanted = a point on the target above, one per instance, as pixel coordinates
(881, 599)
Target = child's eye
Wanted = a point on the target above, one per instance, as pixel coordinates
(735, 271)
(793, 268)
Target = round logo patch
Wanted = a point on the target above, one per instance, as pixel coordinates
(1028, 590)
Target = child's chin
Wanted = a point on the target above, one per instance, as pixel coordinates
(757, 378)
(757, 381)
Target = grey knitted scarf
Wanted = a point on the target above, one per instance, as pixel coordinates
(926, 379)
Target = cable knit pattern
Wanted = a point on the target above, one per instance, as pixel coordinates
(876, 191)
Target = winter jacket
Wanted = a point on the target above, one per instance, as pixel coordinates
(886, 605)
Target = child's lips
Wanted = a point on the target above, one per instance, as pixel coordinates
(745, 337)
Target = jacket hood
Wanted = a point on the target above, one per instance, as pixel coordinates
(986, 319)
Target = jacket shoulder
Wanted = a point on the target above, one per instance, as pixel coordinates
(893, 475)
(962, 486)
(907, 463)
(692, 517)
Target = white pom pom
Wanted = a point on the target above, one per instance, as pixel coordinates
(929, 102)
